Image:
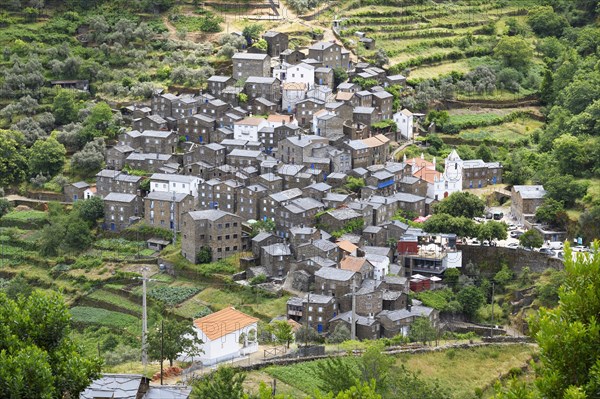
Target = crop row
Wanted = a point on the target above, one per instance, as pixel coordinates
(439, 57)
(86, 315)
(172, 296)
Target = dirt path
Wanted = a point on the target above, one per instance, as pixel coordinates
(172, 30)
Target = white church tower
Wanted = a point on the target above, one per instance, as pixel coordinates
(453, 174)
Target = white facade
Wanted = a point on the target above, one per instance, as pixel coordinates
(247, 129)
(300, 73)
(381, 265)
(291, 95)
(228, 346)
(404, 123)
(171, 183)
(452, 260)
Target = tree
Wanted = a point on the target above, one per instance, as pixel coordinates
(503, 276)
(545, 22)
(381, 58)
(376, 366)
(485, 153)
(339, 75)
(461, 204)
(99, 122)
(77, 234)
(261, 44)
(589, 223)
(204, 255)
(13, 158)
(90, 159)
(38, 359)
(565, 189)
(421, 330)
(359, 391)
(5, 206)
(282, 330)
(46, 156)
(176, 337)
(340, 334)
(336, 374)
(267, 226)
(570, 154)
(445, 224)
(531, 239)
(90, 209)
(514, 52)
(568, 335)
(307, 334)
(471, 298)
(252, 32)
(354, 184)
(225, 382)
(451, 277)
(552, 212)
(64, 107)
(492, 230)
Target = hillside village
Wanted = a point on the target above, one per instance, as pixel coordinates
(299, 191)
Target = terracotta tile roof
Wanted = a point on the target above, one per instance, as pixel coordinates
(428, 175)
(344, 96)
(223, 322)
(250, 121)
(346, 246)
(351, 263)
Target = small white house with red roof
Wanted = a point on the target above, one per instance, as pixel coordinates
(227, 334)
(247, 128)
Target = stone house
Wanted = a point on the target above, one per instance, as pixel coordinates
(262, 106)
(198, 128)
(318, 248)
(330, 55)
(338, 219)
(398, 321)
(150, 162)
(525, 201)
(78, 191)
(293, 150)
(162, 209)
(216, 84)
(366, 116)
(261, 240)
(249, 64)
(271, 181)
(336, 282)
(314, 310)
(249, 201)
(291, 94)
(108, 181)
(242, 158)
(305, 110)
(367, 328)
(276, 259)
(120, 211)
(296, 212)
(478, 174)
(393, 80)
(217, 230)
(292, 56)
(266, 87)
(151, 141)
(116, 155)
(324, 77)
(382, 101)
(217, 194)
(277, 42)
(150, 122)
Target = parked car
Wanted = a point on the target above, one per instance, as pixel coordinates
(516, 233)
(547, 251)
(485, 243)
(512, 245)
(475, 242)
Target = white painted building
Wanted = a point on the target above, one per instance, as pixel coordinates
(299, 73)
(381, 265)
(405, 124)
(227, 334)
(173, 183)
(291, 94)
(247, 129)
(439, 185)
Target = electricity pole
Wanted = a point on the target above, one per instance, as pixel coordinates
(144, 318)
(162, 339)
(353, 321)
(492, 332)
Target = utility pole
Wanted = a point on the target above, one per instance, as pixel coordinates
(144, 318)
(353, 325)
(307, 327)
(162, 339)
(492, 332)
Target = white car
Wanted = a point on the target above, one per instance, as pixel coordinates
(475, 242)
(512, 245)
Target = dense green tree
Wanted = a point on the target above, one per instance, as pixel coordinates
(484, 152)
(451, 277)
(225, 382)
(64, 107)
(380, 58)
(307, 334)
(252, 32)
(46, 156)
(514, 52)
(492, 230)
(204, 255)
(545, 22)
(336, 374)
(99, 122)
(340, 75)
(531, 239)
(18, 287)
(568, 335)
(267, 226)
(408, 385)
(570, 154)
(565, 188)
(358, 391)
(77, 234)
(503, 276)
(552, 212)
(471, 298)
(177, 337)
(5, 206)
(90, 209)
(376, 366)
(283, 333)
(421, 330)
(37, 357)
(354, 184)
(461, 204)
(447, 224)
(13, 158)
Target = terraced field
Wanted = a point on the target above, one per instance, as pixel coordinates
(428, 36)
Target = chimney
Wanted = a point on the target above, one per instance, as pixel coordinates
(408, 307)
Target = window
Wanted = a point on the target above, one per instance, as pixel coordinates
(320, 309)
(309, 318)
(310, 308)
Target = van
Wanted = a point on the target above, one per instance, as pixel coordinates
(556, 245)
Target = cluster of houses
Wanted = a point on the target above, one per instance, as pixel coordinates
(287, 155)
